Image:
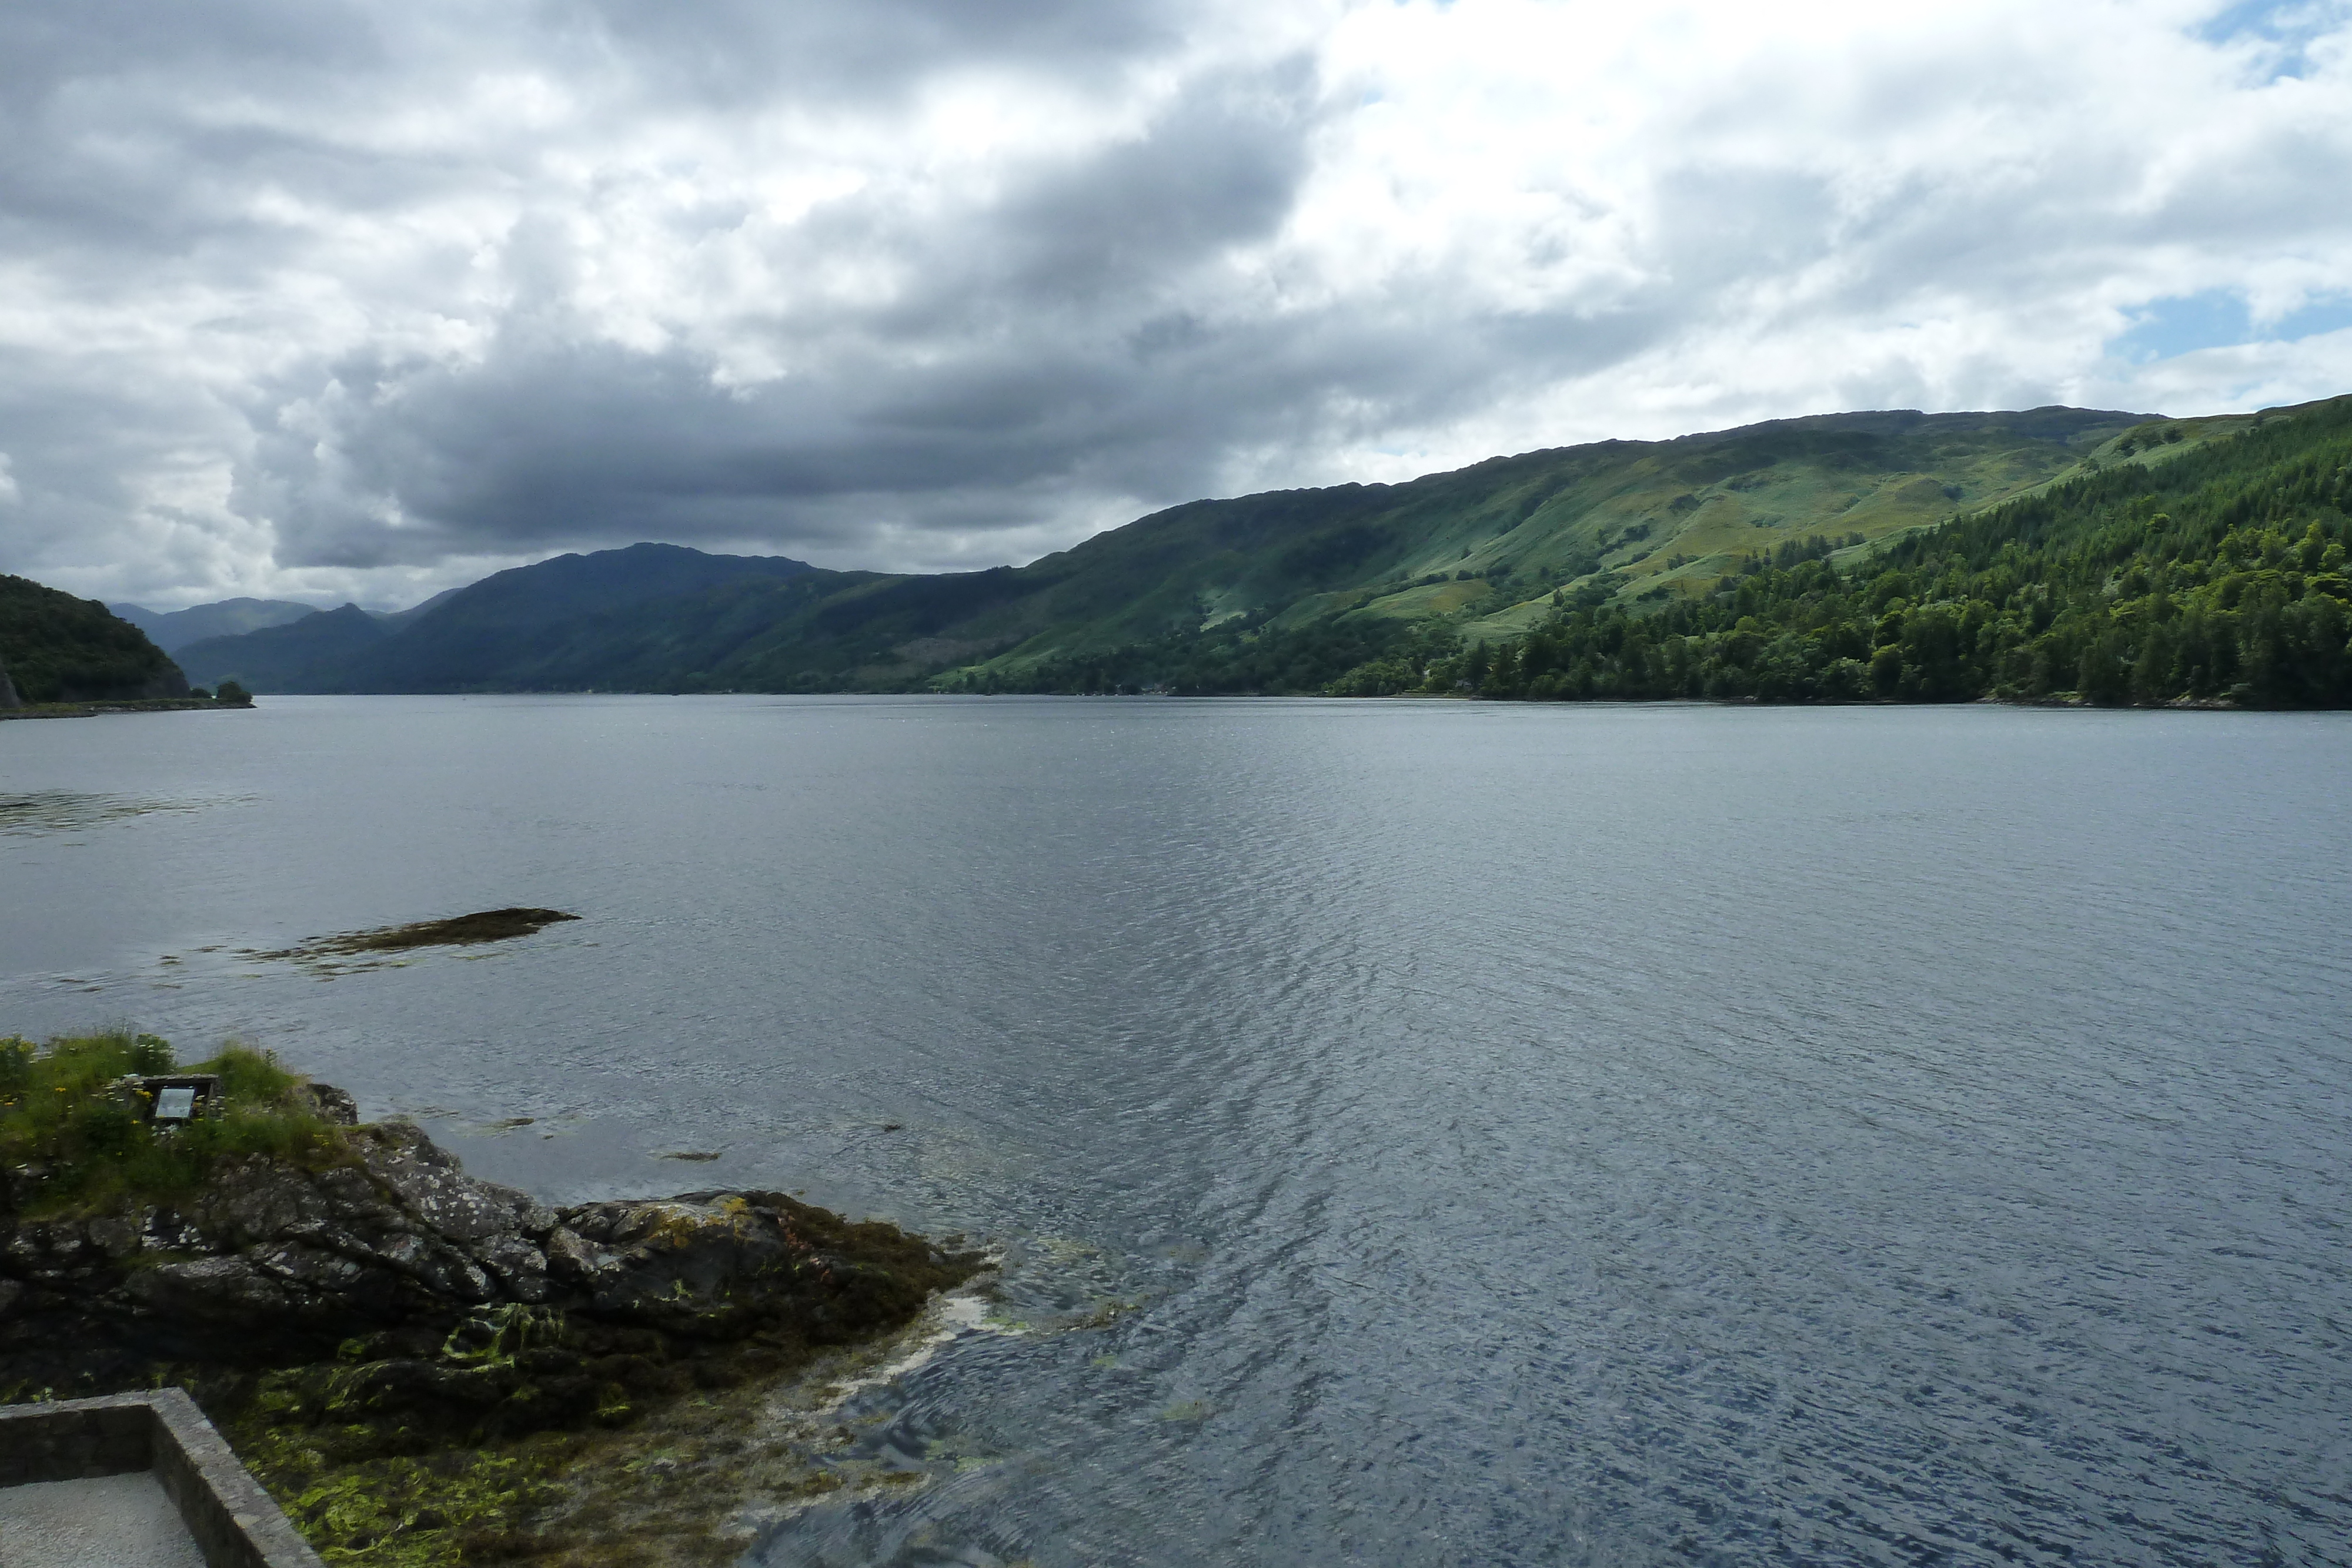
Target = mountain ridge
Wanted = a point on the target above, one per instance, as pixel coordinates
(171, 630)
(1481, 550)
(499, 617)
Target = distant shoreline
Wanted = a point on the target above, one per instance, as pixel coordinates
(128, 705)
(2073, 700)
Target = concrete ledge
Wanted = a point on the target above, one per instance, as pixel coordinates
(235, 1524)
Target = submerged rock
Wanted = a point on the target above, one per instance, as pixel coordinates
(457, 931)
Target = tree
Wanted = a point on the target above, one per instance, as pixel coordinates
(2102, 678)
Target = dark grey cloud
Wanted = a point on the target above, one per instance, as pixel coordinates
(1002, 363)
(349, 298)
(739, 52)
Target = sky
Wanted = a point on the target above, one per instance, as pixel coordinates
(334, 299)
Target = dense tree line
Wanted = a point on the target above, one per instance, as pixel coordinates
(2217, 575)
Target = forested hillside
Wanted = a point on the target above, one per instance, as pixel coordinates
(2217, 575)
(56, 648)
(1287, 590)
(1279, 591)
(2088, 555)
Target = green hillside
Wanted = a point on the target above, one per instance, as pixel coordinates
(2193, 561)
(1261, 594)
(1285, 591)
(58, 649)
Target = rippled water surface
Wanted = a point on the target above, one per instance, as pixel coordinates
(1421, 1133)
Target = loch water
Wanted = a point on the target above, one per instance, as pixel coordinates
(1417, 1133)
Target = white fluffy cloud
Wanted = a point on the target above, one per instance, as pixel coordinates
(344, 298)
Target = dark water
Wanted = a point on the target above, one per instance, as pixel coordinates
(1522, 1135)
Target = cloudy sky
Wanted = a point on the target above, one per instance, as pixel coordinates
(333, 298)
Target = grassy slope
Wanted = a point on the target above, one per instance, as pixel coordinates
(1486, 546)
(1497, 537)
(1263, 592)
(2209, 568)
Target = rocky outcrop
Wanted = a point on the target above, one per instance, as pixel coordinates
(439, 1287)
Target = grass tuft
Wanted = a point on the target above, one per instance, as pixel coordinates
(74, 1136)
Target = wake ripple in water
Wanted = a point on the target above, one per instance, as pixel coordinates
(68, 811)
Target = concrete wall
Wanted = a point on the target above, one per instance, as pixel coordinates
(234, 1522)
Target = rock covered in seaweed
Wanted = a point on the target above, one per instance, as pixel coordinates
(426, 1370)
(400, 1253)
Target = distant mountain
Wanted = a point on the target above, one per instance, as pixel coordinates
(172, 630)
(284, 658)
(391, 618)
(56, 648)
(1279, 591)
(503, 632)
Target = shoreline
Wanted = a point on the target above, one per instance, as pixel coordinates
(2067, 700)
(124, 704)
(429, 1370)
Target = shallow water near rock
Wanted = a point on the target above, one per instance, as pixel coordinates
(1418, 1133)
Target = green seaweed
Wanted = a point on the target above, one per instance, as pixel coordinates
(435, 1510)
(386, 1462)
